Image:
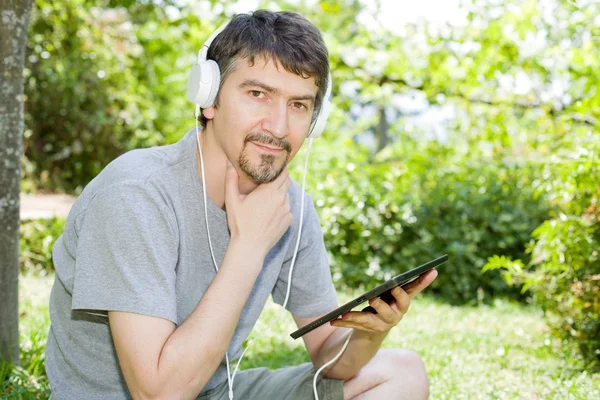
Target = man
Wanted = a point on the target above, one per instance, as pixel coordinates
(137, 309)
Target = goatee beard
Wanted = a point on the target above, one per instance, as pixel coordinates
(266, 171)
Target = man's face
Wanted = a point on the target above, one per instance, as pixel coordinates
(263, 117)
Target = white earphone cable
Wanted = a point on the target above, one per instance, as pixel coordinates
(334, 359)
(287, 295)
(230, 378)
(212, 253)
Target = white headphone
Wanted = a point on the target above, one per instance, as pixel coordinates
(205, 79)
(203, 86)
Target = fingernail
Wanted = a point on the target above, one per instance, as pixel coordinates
(376, 302)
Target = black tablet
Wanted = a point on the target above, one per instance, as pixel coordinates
(383, 290)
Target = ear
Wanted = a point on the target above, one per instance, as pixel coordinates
(209, 113)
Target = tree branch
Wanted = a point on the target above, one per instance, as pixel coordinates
(550, 110)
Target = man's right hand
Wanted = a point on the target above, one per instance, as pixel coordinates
(261, 217)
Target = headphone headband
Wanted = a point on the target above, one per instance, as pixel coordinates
(204, 49)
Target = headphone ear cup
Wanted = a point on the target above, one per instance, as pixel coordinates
(193, 84)
(203, 83)
(212, 84)
(319, 126)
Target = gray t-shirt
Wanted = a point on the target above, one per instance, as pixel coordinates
(136, 241)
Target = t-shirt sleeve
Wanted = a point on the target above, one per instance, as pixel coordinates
(312, 293)
(126, 253)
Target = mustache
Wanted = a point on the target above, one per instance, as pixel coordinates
(269, 140)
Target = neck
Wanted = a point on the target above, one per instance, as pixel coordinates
(215, 164)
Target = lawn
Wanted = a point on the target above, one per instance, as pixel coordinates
(503, 351)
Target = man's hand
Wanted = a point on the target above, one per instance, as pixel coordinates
(388, 315)
(260, 218)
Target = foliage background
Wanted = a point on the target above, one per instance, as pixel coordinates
(516, 149)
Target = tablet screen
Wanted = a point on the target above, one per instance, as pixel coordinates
(399, 280)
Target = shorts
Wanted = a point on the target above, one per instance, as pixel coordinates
(289, 383)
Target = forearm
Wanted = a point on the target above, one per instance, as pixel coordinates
(194, 350)
(361, 349)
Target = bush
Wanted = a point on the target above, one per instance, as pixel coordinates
(100, 81)
(564, 272)
(37, 238)
(418, 200)
(80, 111)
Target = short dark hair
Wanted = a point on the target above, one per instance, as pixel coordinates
(286, 37)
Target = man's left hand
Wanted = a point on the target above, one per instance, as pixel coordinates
(388, 315)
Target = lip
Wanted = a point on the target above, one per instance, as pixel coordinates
(267, 149)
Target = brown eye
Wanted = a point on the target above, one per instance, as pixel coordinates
(257, 94)
(300, 106)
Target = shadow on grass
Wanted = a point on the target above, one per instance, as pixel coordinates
(274, 358)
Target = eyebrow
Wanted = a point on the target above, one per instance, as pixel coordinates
(270, 89)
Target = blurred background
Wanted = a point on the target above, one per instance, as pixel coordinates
(463, 127)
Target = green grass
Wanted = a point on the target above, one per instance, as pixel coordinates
(503, 351)
(29, 380)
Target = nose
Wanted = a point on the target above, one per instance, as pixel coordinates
(276, 121)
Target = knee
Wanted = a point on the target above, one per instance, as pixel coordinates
(410, 371)
(407, 358)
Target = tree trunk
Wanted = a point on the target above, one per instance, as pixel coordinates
(14, 19)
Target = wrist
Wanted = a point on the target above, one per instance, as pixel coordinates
(247, 249)
(364, 336)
